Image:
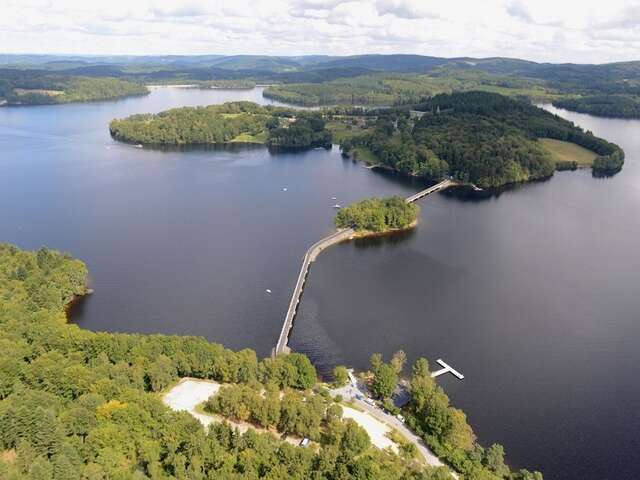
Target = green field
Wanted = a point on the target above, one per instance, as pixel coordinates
(248, 138)
(365, 155)
(568, 152)
(341, 130)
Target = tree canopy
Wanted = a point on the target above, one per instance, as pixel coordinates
(620, 105)
(479, 137)
(378, 215)
(78, 404)
(34, 87)
(242, 122)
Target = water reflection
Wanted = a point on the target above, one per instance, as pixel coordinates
(383, 240)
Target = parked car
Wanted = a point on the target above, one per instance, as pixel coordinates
(304, 442)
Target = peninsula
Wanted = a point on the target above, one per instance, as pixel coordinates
(233, 122)
(485, 138)
(35, 87)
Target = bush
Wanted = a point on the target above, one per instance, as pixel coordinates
(340, 376)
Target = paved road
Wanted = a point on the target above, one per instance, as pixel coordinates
(352, 391)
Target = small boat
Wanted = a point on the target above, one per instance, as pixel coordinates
(268, 291)
(284, 189)
(139, 145)
(337, 205)
(333, 198)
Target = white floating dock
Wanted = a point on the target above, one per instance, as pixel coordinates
(446, 368)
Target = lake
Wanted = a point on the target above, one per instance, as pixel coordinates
(532, 294)
(176, 242)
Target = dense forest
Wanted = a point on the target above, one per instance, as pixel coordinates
(362, 90)
(244, 122)
(479, 137)
(33, 88)
(404, 89)
(378, 215)
(79, 404)
(361, 79)
(625, 106)
(308, 131)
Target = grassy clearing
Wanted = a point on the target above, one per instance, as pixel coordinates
(38, 91)
(568, 152)
(343, 131)
(248, 138)
(363, 154)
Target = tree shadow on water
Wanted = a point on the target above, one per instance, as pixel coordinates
(384, 239)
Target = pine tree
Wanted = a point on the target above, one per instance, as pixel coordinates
(63, 469)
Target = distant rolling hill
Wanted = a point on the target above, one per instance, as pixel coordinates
(262, 64)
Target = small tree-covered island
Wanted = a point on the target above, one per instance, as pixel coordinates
(479, 137)
(378, 215)
(233, 122)
(76, 404)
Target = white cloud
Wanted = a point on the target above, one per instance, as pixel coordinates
(408, 9)
(544, 30)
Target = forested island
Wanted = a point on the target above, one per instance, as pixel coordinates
(233, 122)
(80, 404)
(480, 137)
(378, 215)
(36, 88)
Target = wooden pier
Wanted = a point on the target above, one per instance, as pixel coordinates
(446, 368)
(312, 253)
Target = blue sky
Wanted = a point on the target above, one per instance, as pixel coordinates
(542, 30)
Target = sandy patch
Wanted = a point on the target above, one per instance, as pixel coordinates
(375, 428)
(8, 456)
(190, 392)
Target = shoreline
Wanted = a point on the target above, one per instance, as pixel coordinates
(77, 299)
(338, 236)
(385, 233)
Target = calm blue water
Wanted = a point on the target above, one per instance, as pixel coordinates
(176, 242)
(533, 295)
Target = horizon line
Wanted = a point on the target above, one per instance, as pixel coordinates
(187, 55)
